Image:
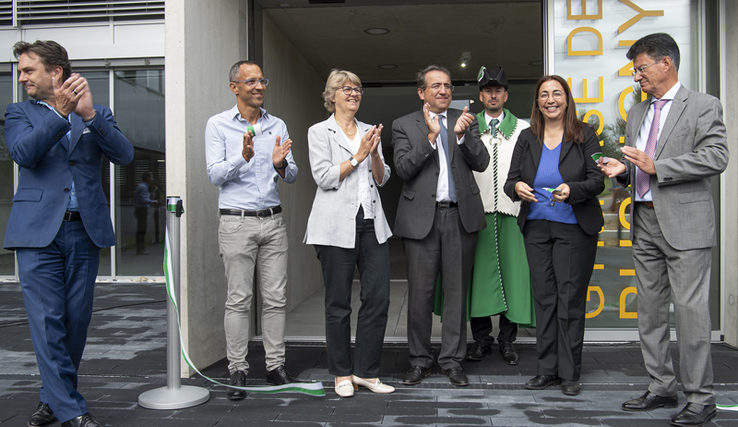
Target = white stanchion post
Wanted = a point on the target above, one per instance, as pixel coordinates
(174, 395)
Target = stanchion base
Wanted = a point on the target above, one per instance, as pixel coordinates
(164, 398)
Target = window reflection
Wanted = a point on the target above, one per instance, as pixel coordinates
(7, 260)
(139, 111)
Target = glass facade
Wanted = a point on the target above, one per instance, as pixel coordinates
(137, 99)
(7, 260)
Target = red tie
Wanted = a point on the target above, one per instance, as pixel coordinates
(642, 178)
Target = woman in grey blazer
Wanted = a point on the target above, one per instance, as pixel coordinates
(348, 228)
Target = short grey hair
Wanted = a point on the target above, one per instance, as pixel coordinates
(657, 46)
(236, 68)
(336, 79)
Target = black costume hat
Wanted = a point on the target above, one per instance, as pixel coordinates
(485, 79)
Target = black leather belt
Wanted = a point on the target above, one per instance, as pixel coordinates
(260, 213)
(72, 216)
(645, 204)
(446, 204)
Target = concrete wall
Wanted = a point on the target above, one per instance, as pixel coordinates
(197, 64)
(294, 95)
(730, 177)
(203, 39)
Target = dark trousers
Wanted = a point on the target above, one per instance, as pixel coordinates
(482, 330)
(58, 283)
(338, 264)
(448, 250)
(561, 258)
(141, 217)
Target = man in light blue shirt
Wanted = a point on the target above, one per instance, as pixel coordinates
(247, 151)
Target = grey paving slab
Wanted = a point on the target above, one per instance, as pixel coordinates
(126, 355)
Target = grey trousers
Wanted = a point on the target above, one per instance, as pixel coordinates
(245, 243)
(664, 274)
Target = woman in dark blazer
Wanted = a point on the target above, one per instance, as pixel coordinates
(554, 175)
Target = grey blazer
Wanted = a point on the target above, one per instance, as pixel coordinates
(332, 220)
(691, 149)
(416, 162)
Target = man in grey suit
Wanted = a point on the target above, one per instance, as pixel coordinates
(439, 214)
(675, 142)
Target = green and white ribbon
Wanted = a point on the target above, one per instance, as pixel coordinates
(727, 407)
(313, 389)
(254, 129)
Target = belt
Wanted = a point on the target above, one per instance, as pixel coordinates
(72, 216)
(446, 204)
(259, 213)
(645, 204)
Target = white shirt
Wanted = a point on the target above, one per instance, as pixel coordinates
(646, 128)
(363, 196)
(501, 117)
(442, 186)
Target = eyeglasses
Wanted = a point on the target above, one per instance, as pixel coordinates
(557, 95)
(252, 82)
(348, 89)
(438, 86)
(642, 68)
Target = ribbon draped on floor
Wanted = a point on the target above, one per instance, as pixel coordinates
(313, 389)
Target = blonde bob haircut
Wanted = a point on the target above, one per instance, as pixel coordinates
(335, 81)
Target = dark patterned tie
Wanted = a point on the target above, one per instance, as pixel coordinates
(444, 141)
(493, 127)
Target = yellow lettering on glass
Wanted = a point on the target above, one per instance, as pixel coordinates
(627, 272)
(621, 213)
(585, 99)
(641, 14)
(600, 306)
(627, 314)
(591, 113)
(584, 15)
(572, 52)
(621, 101)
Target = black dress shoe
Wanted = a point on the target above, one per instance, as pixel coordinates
(539, 382)
(86, 420)
(695, 414)
(42, 415)
(238, 379)
(650, 401)
(279, 376)
(415, 375)
(509, 355)
(570, 388)
(457, 376)
(478, 350)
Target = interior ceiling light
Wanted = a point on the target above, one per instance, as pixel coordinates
(377, 31)
(465, 57)
(387, 66)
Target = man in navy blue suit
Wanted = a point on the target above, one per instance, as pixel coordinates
(60, 217)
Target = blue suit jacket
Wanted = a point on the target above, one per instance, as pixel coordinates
(48, 160)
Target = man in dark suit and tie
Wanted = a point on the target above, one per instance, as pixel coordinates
(60, 217)
(439, 214)
(674, 143)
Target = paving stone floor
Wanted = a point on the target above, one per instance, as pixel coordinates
(126, 356)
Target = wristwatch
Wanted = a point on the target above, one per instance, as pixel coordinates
(354, 162)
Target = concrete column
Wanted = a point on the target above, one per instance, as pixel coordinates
(203, 39)
(730, 176)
